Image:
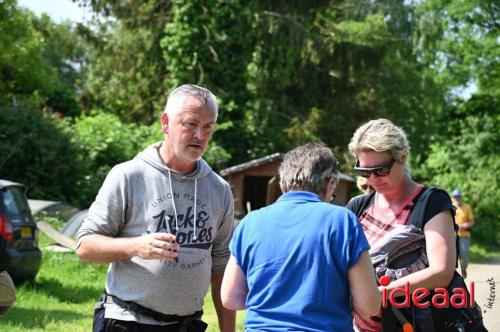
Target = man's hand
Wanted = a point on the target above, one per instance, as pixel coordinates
(156, 246)
(466, 226)
(104, 249)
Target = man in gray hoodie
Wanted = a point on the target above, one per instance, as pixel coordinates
(163, 221)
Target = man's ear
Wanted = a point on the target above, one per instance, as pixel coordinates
(282, 189)
(164, 123)
(327, 189)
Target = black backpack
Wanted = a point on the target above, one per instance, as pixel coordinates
(402, 252)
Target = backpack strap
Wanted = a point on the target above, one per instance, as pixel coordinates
(361, 203)
(420, 205)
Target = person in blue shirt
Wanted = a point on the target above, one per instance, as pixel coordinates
(301, 264)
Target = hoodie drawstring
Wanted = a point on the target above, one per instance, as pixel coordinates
(194, 204)
(173, 202)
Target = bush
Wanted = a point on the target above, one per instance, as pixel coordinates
(36, 150)
(104, 141)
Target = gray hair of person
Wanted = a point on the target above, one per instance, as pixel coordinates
(178, 96)
(380, 135)
(308, 168)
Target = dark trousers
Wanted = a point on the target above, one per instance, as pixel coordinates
(113, 325)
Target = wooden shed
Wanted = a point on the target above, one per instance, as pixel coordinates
(255, 184)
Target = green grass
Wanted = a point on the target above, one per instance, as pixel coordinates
(62, 297)
(482, 253)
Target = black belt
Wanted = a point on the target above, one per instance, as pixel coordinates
(137, 308)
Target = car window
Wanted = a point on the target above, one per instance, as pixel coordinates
(13, 200)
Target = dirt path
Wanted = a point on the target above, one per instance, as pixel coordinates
(479, 274)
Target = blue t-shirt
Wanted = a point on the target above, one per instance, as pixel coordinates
(295, 255)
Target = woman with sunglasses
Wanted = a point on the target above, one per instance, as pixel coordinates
(381, 150)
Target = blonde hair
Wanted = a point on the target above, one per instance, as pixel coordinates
(380, 135)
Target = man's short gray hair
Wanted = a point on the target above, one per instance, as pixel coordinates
(308, 168)
(178, 96)
(380, 135)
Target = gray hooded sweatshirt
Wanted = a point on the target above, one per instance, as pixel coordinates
(143, 196)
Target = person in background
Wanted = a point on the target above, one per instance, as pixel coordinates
(381, 150)
(464, 218)
(301, 264)
(163, 221)
(362, 184)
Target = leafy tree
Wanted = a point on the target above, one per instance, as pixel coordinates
(65, 50)
(38, 61)
(290, 72)
(286, 72)
(26, 74)
(458, 39)
(467, 157)
(127, 74)
(457, 43)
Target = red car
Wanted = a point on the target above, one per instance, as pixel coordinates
(19, 252)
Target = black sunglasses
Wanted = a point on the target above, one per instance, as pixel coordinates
(366, 172)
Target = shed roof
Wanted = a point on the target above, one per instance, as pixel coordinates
(252, 164)
(6, 183)
(265, 160)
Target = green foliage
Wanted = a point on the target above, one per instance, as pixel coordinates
(104, 141)
(483, 253)
(467, 157)
(26, 73)
(37, 61)
(459, 39)
(123, 79)
(285, 72)
(126, 75)
(36, 150)
(213, 50)
(65, 51)
(289, 73)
